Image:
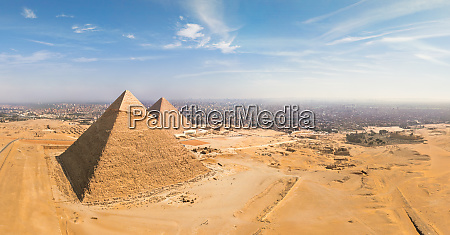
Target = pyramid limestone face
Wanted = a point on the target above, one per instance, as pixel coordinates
(110, 160)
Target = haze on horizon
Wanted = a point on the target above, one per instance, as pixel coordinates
(85, 51)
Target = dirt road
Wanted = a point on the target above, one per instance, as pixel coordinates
(26, 200)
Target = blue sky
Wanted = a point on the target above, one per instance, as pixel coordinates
(354, 50)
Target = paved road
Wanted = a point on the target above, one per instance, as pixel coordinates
(6, 146)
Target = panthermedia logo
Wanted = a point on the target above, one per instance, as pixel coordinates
(239, 117)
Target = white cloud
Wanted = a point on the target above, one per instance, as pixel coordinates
(225, 47)
(28, 13)
(190, 36)
(146, 44)
(130, 36)
(84, 60)
(211, 33)
(173, 45)
(44, 43)
(84, 28)
(191, 31)
(64, 16)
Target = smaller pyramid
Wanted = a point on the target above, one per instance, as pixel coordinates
(162, 104)
(170, 114)
(111, 160)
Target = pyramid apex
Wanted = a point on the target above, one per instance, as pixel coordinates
(123, 102)
(162, 104)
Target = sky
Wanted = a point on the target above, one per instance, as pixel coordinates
(356, 50)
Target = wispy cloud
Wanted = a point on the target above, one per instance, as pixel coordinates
(28, 13)
(212, 32)
(261, 71)
(377, 14)
(144, 58)
(416, 37)
(44, 43)
(362, 38)
(424, 47)
(62, 15)
(322, 17)
(286, 53)
(33, 58)
(130, 36)
(211, 14)
(353, 39)
(172, 45)
(431, 59)
(85, 28)
(220, 63)
(85, 60)
(203, 43)
(191, 36)
(133, 58)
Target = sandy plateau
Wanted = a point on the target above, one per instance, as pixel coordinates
(261, 182)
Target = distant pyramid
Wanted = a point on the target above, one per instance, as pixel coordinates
(111, 160)
(164, 106)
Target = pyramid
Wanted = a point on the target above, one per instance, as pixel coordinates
(163, 105)
(111, 160)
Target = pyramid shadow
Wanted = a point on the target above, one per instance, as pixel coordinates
(80, 159)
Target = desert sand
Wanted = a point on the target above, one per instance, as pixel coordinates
(261, 182)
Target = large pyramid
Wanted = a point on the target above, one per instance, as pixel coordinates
(164, 106)
(111, 160)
